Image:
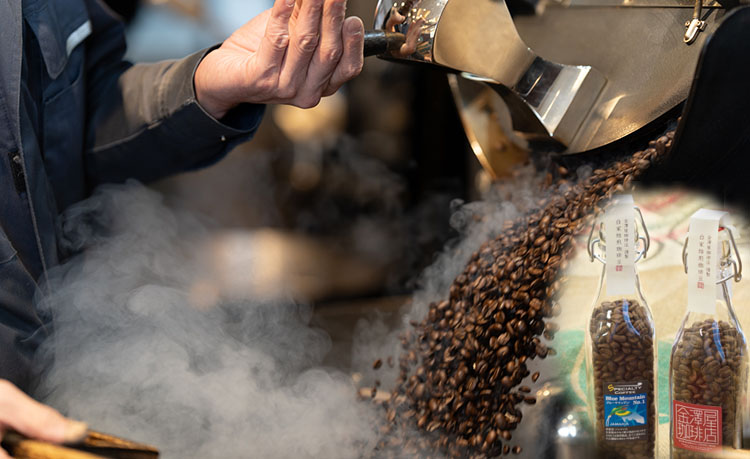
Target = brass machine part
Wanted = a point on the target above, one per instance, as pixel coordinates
(96, 445)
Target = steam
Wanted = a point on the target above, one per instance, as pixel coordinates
(474, 224)
(132, 355)
(137, 350)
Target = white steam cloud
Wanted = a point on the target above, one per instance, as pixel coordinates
(131, 355)
(135, 354)
(476, 223)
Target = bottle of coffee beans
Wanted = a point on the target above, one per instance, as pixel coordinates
(620, 342)
(708, 367)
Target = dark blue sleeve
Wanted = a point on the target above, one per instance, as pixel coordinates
(143, 121)
(21, 330)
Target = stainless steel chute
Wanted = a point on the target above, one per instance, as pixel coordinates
(573, 76)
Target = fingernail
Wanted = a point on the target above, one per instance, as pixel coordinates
(353, 27)
(75, 431)
(289, 3)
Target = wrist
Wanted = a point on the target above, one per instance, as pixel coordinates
(204, 92)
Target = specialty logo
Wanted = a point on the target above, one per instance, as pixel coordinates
(625, 388)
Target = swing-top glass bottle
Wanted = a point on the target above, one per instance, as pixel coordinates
(621, 353)
(709, 368)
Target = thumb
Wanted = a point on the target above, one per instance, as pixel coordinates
(20, 412)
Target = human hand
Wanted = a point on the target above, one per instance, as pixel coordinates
(295, 53)
(28, 417)
(412, 35)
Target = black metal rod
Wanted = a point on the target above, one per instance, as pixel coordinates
(379, 42)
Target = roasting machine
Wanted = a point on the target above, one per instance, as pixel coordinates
(583, 78)
(578, 76)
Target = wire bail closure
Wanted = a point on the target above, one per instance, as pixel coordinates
(736, 264)
(593, 242)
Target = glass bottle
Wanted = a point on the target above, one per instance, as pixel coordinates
(708, 367)
(620, 341)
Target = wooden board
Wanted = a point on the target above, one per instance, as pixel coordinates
(96, 445)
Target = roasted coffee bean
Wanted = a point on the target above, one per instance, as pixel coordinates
(463, 364)
(622, 351)
(707, 368)
(378, 363)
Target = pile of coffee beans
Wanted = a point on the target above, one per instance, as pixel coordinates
(709, 367)
(622, 351)
(461, 372)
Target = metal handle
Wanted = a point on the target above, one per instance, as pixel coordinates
(695, 25)
(736, 264)
(642, 253)
(379, 42)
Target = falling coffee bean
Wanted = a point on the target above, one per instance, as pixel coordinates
(463, 362)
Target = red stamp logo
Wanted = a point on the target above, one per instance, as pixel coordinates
(696, 427)
(618, 268)
(700, 284)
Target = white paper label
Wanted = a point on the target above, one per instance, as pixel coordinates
(619, 229)
(703, 260)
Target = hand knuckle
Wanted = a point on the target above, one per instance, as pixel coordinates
(265, 83)
(355, 69)
(265, 86)
(287, 93)
(308, 42)
(279, 41)
(334, 54)
(337, 12)
(308, 101)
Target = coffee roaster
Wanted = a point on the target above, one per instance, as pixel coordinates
(579, 76)
(586, 78)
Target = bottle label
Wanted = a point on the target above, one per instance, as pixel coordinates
(703, 260)
(625, 411)
(619, 230)
(696, 427)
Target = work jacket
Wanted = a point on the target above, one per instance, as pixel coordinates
(74, 115)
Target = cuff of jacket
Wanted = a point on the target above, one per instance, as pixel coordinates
(239, 125)
(179, 135)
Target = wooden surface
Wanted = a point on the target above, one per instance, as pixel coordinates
(95, 446)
